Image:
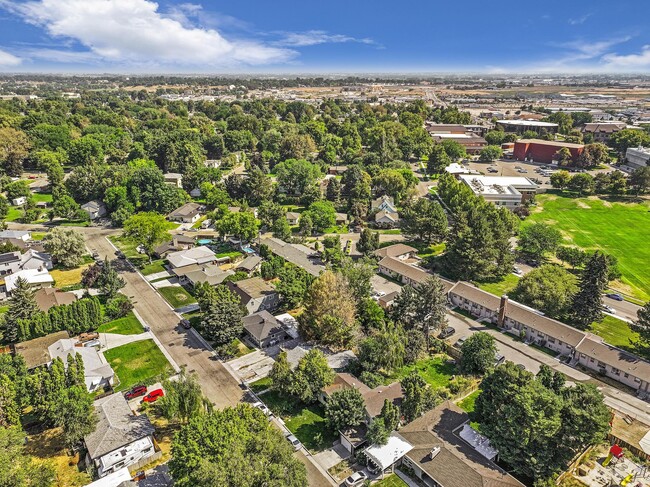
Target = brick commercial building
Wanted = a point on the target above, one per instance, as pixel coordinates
(544, 151)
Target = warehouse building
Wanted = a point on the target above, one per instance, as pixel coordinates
(544, 151)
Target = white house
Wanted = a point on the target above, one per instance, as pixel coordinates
(36, 278)
(120, 439)
(196, 255)
(17, 234)
(95, 209)
(174, 179)
(11, 262)
(21, 200)
(97, 371)
(188, 213)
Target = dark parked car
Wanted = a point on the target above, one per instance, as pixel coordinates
(185, 324)
(614, 296)
(447, 332)
(136, 391)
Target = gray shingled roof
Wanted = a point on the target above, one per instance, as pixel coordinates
(117, 426)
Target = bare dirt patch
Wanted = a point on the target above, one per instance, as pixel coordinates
(582, 204)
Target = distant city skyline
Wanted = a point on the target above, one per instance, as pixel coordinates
(287, 36)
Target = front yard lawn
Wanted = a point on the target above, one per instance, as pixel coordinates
(139, 362)
(469, 402)
(391, 481)
(307, 422)
(70, 277)
(435, 370)
(261, 384)
(155, 266)
(177, 296)
(129, 325)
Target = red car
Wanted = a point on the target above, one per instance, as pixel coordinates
(137, 391)
(153, 396)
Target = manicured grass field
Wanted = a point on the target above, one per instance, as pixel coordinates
(176, 296)
(137, 362)
(38, 235)
(306, 422)
(13, 214)
(617, 228)
(615, 332)
(129, 325)
(505, 286)
(435, 370)
(42, 197)
(261, 384)
(155, 266)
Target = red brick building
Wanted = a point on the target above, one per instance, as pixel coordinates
(544, 150)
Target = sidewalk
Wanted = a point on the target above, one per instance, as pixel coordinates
(113, 340)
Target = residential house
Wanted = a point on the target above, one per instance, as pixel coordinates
(263, 329)
(195, 255)
(250, 264)
(256, 294)
(337, 170)
(33, 259)
(9, 263)
(385, 203)
(21, 200)
(402, 271)
(447, 452)
(341, 218)
(177, 243)
(212, 163)
(336, 361)
(121, 437)
(373, 398)
(475, 301)
(199, 273)
(36, 279)
(98, 373)
(299, 255)
(386, 219)
(174, 179)
(398, 251)
(95, 209)
(36, 352)
(292, 217)
(17, 234)
(48, 297)
(188, 213)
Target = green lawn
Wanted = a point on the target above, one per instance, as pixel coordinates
(4, 309)
(261, 384)
(391, 481)
(617, 228)
(13, 214)
(42, 197)
(155, 266)
(177, 296)
(129, 325)
(435, 370)
(469, 402)
(137, 362)
(38, 235)
(306, 422)
(505, 286)
(615, 332)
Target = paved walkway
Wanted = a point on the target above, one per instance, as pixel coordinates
(113, 340)
(157, 275)
(188, 308)
(166, 283)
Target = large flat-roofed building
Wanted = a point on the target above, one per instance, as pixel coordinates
(473, 143)
(506, 191)
(521, 126)
(544, 151)
(636, 158)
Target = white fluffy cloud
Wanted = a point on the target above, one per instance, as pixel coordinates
(134, 31)
(629, 61)
(7, 59)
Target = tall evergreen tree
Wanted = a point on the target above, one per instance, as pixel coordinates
(368, 242)
(642, 324)
(22, 306)
(588, 301)
(109, 281)
(222, 315)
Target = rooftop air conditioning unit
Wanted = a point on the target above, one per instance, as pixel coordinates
(434, 452)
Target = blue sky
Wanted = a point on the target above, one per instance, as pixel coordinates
(324, 36)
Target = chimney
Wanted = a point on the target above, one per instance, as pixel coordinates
(502, 310)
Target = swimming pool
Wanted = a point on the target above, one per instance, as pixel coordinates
(204, 241)
(248, 250)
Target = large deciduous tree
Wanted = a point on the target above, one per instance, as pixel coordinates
(329, 316)
(539, 239)
(183, 397)
(549, 288)
(17, 468)
(478, 353)
(234, 446)
(147, 229)
(310, 376)
(345, 408)
(66, 245)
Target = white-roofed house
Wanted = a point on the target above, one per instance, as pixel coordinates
(97, 371)
(196, 255)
